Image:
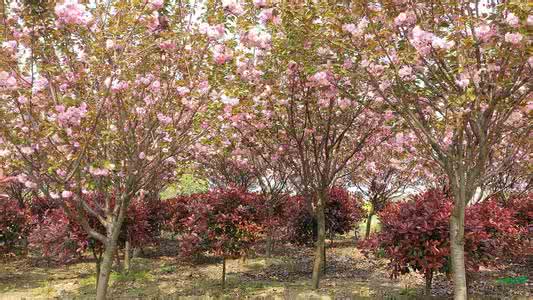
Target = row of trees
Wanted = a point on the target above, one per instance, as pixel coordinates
(226, 223)
(112, 97)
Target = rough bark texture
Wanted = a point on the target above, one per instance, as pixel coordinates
(98, 267)
(320, 243)
(113, 232)
(429, 279)
(127, 256)
(457, 246)
(269, 244)
(457, 229)
(223, 272)
(105, 270)
(368, 225)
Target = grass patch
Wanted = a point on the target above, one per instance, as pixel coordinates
(512, 280)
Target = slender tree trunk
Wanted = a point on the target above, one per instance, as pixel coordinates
(127, 256)
(368, 224)
(457, 230)
(269, 244)
(98, 263)
(109, 253)
(321, 237)
(429, 279)
(98, 267)
(223, 272)
(105, 270)
(324, 263)
(269, 234)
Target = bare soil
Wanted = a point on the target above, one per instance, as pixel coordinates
(160, 274)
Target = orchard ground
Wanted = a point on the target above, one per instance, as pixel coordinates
(159, 274)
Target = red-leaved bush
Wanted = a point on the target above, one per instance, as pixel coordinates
(62, 238)
(343, 210)
(223, 222)
(522, 208)
(13, 224)
(414, 234)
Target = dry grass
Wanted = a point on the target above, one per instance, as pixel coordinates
(161, 275)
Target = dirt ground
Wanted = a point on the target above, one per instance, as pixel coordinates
(162, 275)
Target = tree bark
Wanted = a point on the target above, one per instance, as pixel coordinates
(429, 279)
(325, 256)
(98, 268)
(113, 232)
(368, 225)
(105, 271)
(321, 237)
(98, 263)
(269, 244)
(223, 272)
(127, 256)
(457, 229)
(269, 234)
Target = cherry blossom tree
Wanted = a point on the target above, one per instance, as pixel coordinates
(101, 98)
(290, 94)
(458, 72)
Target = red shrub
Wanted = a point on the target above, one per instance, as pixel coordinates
(57, 237)
(142, 225)
(63, 239)
(13, 224)
(522, 208)
(342, 211)
(223, 222)
(415, 234)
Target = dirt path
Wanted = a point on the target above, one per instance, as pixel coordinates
(161, 275)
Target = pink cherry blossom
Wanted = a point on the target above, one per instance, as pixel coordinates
(321, 78)
(165, 120)
(405, 18)
(260, 3)
(406, 72)
(513, 38)
(256, 37)
(66, 194)
(214, 32)
(351, 28)
(484, 32)
(266, 15)
(10, 46)
(422, 40)
(463, 81)
(440, 43)
(229, 100)
(71, 12)
(512, 20)
(233, 6)
(155, 4)
(221, 54)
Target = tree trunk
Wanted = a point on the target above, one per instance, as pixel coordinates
(269, 244)
(223, 272)
(105, 270)
(429, 278)
(321, 237)
(457, 229)
(113, 232)
(127, 256)
(368, 224)
(324, 263)
(98, 267)
(269, 234)
(98, 262)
